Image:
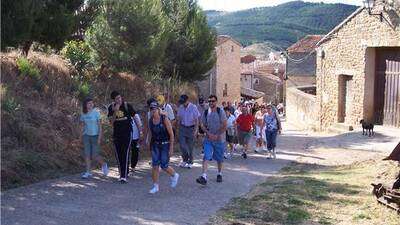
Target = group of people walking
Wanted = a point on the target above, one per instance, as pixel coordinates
(223, 130)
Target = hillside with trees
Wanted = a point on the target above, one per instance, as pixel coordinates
(57, 53)
(279, 26)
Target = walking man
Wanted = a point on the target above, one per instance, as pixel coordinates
(244, 124)
(214, 125)
(120, 114)
(187, 120)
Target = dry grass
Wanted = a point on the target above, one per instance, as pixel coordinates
(39, 131)
(309, 194)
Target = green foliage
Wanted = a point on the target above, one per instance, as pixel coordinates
(129, 35)
(155, 39)
(281, 25)
(83, 90)
(79, 54)
(27, 69)
(191, 43)
(43, 21)
(9, 104)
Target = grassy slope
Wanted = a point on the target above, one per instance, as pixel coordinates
(281, 25)
(311, 194)
(39, 137)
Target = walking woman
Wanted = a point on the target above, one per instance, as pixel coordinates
(161, 145)
(91, 137)
(272, 126)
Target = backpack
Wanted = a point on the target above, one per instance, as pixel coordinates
(206, 113)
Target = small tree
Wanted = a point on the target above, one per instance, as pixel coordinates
(43, 21)
(190, 50)
(129, 35)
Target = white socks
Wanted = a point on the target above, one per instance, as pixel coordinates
(204, 175)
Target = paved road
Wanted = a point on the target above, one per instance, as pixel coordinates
(101, 200)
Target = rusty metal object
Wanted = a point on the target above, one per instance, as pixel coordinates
(387, 196)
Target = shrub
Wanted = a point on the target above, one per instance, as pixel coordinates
(10, 105)
(27, 69)
(83, 90)
(78, 53)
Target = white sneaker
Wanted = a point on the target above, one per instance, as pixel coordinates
(189, 165)
(182, 164)
(86, 175)
(154, 190)
(104, 169)
(174, 180)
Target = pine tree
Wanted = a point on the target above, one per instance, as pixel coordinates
(48, 22)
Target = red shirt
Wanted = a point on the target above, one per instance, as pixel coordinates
(245, 122)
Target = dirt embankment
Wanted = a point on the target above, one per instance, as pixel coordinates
(39, 117)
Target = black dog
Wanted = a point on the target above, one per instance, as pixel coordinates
(368, 127)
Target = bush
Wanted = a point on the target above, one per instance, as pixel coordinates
(27, 69)
(83, 90)
(9, 105)
(78, 53)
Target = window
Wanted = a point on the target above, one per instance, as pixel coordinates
(232, 48)
(225, 91)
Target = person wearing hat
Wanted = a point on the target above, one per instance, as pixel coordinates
(187, 121)
(161, 145)
(166, 108)
(120, 114)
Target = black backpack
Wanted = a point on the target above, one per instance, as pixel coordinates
(206, 113)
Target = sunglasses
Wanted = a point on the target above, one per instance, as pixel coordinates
(210, 101)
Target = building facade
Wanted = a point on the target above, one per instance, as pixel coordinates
(358, 70)
(224, 79)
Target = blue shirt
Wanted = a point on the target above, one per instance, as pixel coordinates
(189, 115)
(270, 122)
(91, 122)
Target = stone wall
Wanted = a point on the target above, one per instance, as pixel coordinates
(295, 81)
(272, 88)
(301, 109)
(228, 71)
(345, 53)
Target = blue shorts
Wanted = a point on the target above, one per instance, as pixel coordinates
(90, 146)
(160, 155)
(214, 150)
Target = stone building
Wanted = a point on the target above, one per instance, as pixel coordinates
(301, 61)
(224, 79)
(358, 70)
(258, 79)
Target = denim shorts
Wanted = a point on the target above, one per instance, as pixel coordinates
(160, 155)
(214, 150)
(90, 145)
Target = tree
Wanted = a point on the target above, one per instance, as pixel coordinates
(190, 50)
(129, 35)
(45, 21)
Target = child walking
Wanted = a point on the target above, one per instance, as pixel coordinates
(91, 137)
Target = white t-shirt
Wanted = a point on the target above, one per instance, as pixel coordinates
(230, 127)
(167, 108)
(135, 129)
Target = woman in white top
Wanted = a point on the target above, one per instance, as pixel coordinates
(230, 132)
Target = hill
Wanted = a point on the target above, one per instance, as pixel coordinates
(279, 26)
(39, 122)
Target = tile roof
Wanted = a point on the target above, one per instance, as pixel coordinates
(307, 44)
(223, 38)
(247, 59)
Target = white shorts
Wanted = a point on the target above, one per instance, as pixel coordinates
(258, 133)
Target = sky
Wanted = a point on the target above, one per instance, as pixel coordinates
(235, 5)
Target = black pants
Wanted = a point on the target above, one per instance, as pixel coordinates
(135, 153)
(122, 148)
